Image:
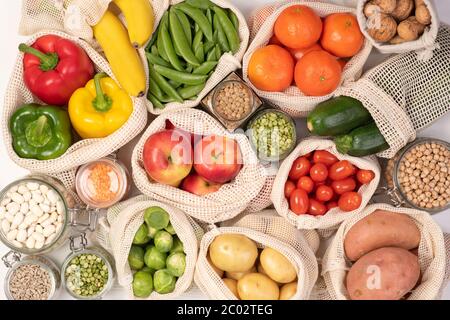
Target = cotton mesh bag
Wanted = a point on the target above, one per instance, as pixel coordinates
(266, 230)
(82, 151)
(431, 253)
(331, 220)
(292, 100)
(231, 199)
(116, 232)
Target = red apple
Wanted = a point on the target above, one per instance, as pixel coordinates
(194, 137)
(168, 156)
(198, 185)
(217, 159)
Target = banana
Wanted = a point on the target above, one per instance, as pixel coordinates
(140, 19)
(122, 56)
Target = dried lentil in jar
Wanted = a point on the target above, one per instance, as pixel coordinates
(233, 100)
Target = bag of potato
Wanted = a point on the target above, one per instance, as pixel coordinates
(330, 221)
(230, 199)
(286, 269)
(385, 252)
(292, 100)
(81, 151)
(117, 233)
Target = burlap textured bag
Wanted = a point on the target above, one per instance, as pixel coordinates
(116, 232)
(331, 220)
(82, 151)
(432, 255)
(231, 199)
(267, 230)
(292, 100)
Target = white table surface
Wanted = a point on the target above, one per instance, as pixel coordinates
(9, 21)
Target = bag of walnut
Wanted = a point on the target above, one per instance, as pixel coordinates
(266, 230)
(116, 231)
(431, 255)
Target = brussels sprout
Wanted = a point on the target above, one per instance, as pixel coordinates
(177, 245)
(142, 284)
(164, 281)
(141, 236)
(151, 232)
(156, 217)
(170, 229)
(149, 270)
(176, 263)
(155, 259)
(136, 257)
(163, 241)
(148, 246)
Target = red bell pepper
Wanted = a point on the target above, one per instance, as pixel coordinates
(54, 68)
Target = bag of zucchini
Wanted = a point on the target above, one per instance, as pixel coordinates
(154, 247)
(386, 253)
(229, 198)
(228, 266)
(331, 220)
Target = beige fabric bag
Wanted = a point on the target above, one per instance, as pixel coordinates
(432, 255)
(267, 230)
(231, 199)
(82, 151)
(293, 101)
(116, 232)
(331, 220)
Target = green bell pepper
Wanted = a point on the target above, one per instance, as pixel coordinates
(40, 132)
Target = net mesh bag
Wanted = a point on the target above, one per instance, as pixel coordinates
(266, 230)
(262, 200)
(331, 220)
(292, 100)
(117, 230)
(431, 252)
(404, 95)
(231, 199)
(82, 151)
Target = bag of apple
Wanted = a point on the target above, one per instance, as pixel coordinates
(187, 159)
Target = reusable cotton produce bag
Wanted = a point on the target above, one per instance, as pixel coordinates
(292, 100)
(432, 255)
(267, 230)
(231, 199)
(116, 232)
(82, 151)
(331, 220)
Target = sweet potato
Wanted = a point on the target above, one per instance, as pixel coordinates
(381, 229)
(383, 274)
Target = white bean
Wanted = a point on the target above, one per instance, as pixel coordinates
(43, 188)
(30, 231)
(5, 201)
(38, 244)
(50, 239)
(2, 212)
(30, 243)
(17, 244)
(52, 196)
(54, 216)
(32, 202)
(58, 226)
(22, 189)
(27, 196)
(49, 230)
(47, 222)
(21, 235)
(11, 235)
(38, 237)
(22, 226)
(38, 198)
(13, 189)
(9, 217)
(60, 218)
(13, 207)
(18, 219)
(24, 207)
(17, 198)
(33, 185)
(44, 217)
(44, 207)
(29, 219)
(36, 210)
(6, 226)
(47, 202)
(39, 228)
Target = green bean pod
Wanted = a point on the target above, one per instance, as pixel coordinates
(184, 20)
(205, 68)
(175, 84)
(154, 50)
(221, 37)
(163, 84)
(183, 77)
(211, 56)
(180, 39)
(156, 103)
(152, 59)
(191, 91)
(209, 15)
(159, 41)
(218, 52)
(198, 16)
(170, 50)
(234, 19)
(208, 46)
(200, 53)
(228, 28)
(154, 89)
(200, 4)
(197, 39)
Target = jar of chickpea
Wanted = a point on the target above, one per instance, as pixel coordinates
(419, 176)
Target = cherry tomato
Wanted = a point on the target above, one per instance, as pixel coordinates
(316, 208)
(325, 157)
(365, 176)
(331, 205)
(341, 170)
(289, 186)
(318, 172)
(308, 155)
(300, 168)
(349, 201)
(324, 193)
(306, 184)
(299, 201)
(343, 186)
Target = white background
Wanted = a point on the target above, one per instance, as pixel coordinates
(9, 20)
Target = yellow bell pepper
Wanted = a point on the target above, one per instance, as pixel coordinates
(100, 108)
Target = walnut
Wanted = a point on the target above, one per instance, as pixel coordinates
(397, 40)
(423, 14)
(410, 29)
(381, 27)
(386, 6)
(403, 9)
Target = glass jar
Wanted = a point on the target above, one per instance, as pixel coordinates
(13, 261)
(229, 87)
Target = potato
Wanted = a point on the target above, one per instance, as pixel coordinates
(383, 274)
(381, 27)
(381, 229)
(217, 270)
(423, 14)
(288, 290)
(256, 286)
(233, 252)
(238, 275)
(277, 266)
(403, 9)
(232, 285)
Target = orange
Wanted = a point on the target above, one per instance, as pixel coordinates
(271, 68)
(298, 27)
(341, 35)
(318, 73)
(299, 53)
(342, 63)
(274, 40)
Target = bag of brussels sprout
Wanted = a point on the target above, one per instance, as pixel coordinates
(154, 246)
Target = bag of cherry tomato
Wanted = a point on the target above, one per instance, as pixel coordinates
(316, 187)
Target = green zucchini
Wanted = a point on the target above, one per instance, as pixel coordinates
(337, 116)
(362, 141)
